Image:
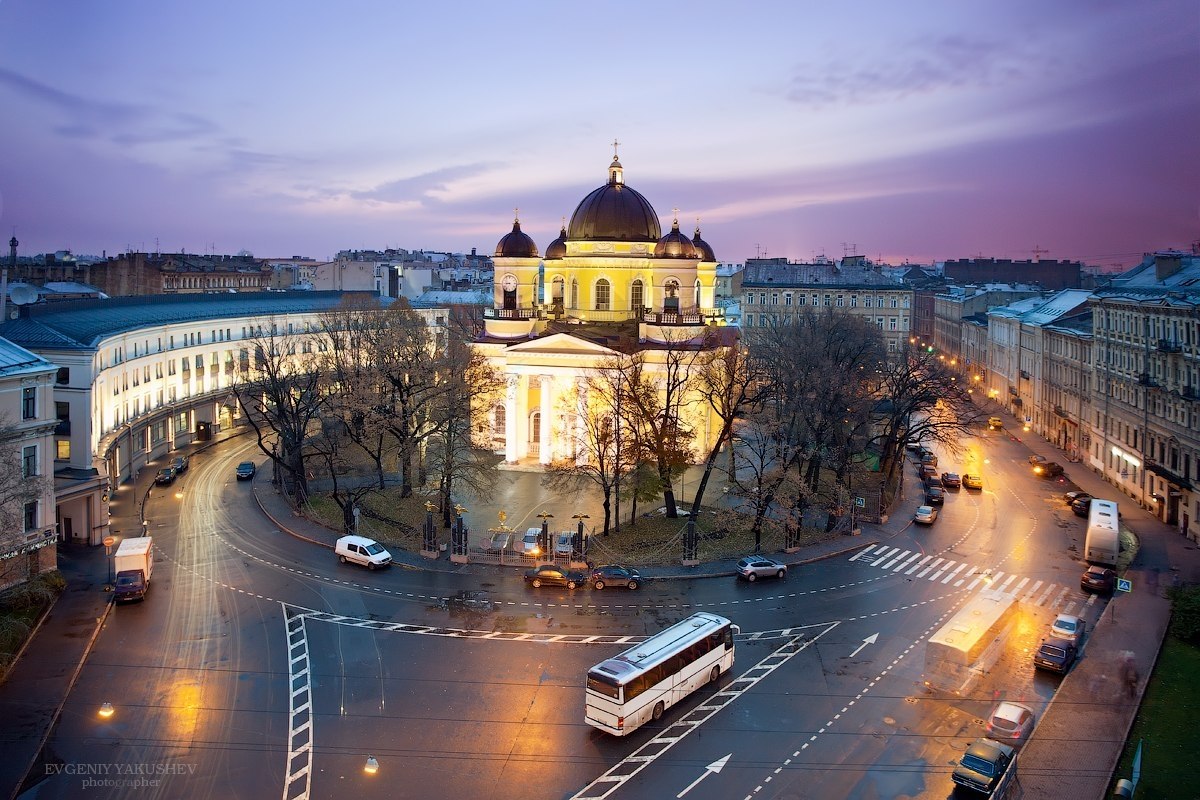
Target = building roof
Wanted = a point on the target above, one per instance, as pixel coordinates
(81, 324)
(759, 275)
(1170, 276)
(440, 297)
(1055, 306)
(615, 212)
(16, 360)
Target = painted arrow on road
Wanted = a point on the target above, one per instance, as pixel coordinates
(874, 637)
(711, 769)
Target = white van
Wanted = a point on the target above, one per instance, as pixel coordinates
(361, 550)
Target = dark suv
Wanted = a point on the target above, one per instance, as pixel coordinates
(983, 765)
(612, 575)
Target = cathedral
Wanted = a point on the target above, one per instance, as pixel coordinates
(612, 284)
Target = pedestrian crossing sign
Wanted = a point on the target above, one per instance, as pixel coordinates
(1124, 585)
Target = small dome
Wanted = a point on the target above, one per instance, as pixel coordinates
(615, 212)
(516, 244)
(558, 248)
(675, 245)
(703, 250)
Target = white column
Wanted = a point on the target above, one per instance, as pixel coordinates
(510, 421)
(547, 407)
(581, 410)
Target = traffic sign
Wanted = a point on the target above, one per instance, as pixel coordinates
(861, 502)
(1124, 585)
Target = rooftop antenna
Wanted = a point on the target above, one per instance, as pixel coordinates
(757, 250)
(1038, 252)
(849, 249)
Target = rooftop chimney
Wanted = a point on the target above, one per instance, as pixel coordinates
(1166, 265)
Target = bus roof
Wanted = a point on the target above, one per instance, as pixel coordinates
(974, 619)
(659, 646)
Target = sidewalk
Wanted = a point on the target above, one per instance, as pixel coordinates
(1080, 738)
(37, 687)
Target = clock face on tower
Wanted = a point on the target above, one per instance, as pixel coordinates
(509, 283)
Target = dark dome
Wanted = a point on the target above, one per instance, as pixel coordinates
(703, 250)
(516, 244)
(615, 212)
(558, 248)
(675, 245)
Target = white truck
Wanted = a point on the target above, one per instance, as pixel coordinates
(133, 562)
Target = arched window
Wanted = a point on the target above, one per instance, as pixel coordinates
(498, 420)
(603, 295)
(696, 297)
(574, 293)
(637, 296)
(556, 293)
(671, 301)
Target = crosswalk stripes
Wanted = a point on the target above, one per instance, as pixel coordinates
(960, 574)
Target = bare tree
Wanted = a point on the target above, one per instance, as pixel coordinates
(658, 395)
(733, 383)
(281, 389)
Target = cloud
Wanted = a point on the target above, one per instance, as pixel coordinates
(123, 124)
(922, 67)
(425, 186)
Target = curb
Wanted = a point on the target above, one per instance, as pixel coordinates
(283, 527)
(87, 651)
(37, 626)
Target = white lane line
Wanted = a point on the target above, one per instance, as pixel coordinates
(862, 553)
(918, 565)
(298, 774)
(1011, 578)
(1041, 601)
(1032, 591)
(889, 564)
(945, 567)
(932, 566)
(906, 562)
(954, 574)
(875, 563)
(1017, 589)
(631, 765)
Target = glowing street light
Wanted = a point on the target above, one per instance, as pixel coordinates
(372, 765)
(106, 710)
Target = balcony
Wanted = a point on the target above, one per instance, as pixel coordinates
(1060, 411)
(1146, 379)
(1025, 374)
(513, 313)
(1189, 393)
(1169, 346)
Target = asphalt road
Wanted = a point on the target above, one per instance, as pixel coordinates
(260, 667)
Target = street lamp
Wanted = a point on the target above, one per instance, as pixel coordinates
(429, 548)
(106, 710)
(544, 516)
(145, 527)
(579, 548)
(372, 765)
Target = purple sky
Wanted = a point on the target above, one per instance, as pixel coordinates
(919, 131)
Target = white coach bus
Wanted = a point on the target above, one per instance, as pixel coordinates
(628, 690)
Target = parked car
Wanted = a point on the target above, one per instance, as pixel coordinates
(935, 495)
(530, 542)
(564, 544)
(913, 447)
(930, 459)
(925, 515)
(951, 480)
(1055, 655)
(1081, 506)
(972, 482)
(165, 476)
(995, 423)
(983, 765)
(928, 471)
(361, 550)
(180, 464)
(1012, 722)
(613, 575)
(1070, 497)
(1069, 627)
(1048, 469)
(933, 480)
(497, 541)
(551, 575)
(754, 567)
(245, 470)
(1098, 579)
(1035, 460)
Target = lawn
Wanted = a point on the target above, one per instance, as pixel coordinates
(20, 608)
(653, 540)
(1166, 726)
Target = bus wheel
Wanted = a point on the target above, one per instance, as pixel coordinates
(714, 674)
(658, 711)
(342, 559)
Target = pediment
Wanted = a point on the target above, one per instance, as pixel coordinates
(561, 343)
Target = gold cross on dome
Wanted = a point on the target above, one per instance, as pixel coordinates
(616, 144)
(516, 214)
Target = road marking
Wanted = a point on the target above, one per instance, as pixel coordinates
(930, 567)
(906, 562)
(886, 556)
(298, 775)
(945, 567)
(645, 755)
(918, 565)
(954, 574)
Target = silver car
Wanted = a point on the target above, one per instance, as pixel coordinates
(1069, 627)
(754, 567)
